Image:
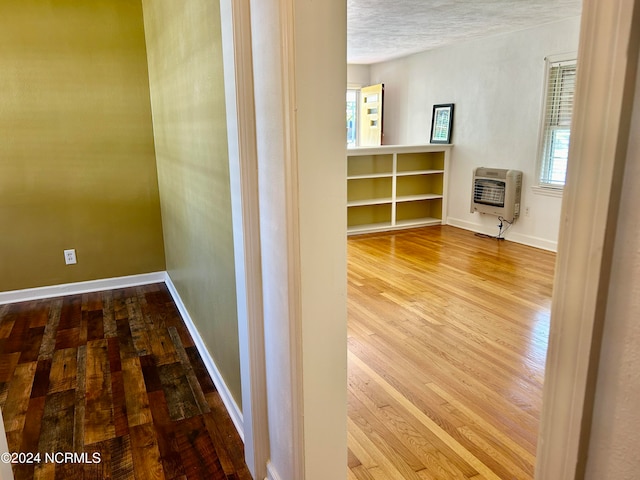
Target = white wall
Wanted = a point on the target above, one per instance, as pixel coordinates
(496, 85)
(615, 434)
(358, 75)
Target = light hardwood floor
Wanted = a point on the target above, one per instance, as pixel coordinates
(447, 343)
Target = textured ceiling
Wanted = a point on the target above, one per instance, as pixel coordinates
(379, 30)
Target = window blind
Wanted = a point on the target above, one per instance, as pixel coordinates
(558, 110)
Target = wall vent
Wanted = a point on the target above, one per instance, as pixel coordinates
(496, 191)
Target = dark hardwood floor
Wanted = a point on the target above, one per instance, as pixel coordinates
(447, 343)
(115, 374)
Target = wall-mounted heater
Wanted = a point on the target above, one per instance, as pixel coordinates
(496, 191)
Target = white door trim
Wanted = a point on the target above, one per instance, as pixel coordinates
(239, 94)
(6, 473)
(607, 57)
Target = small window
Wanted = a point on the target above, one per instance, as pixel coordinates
(352, 117)
(556, 129)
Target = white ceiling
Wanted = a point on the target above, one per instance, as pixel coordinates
(379, 30)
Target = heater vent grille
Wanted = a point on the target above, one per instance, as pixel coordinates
(496, 192)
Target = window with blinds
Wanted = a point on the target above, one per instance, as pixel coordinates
(561, 81)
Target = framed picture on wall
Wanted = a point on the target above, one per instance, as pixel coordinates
(441, 123)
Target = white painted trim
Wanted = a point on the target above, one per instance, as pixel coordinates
(528, 240)
(547, 191)
(243, 169)
(292, 224)
(218, 381)
(272, 474)
(607, 56)
(76, 288)
(6, 473)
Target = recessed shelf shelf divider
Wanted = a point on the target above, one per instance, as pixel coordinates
(395, 186)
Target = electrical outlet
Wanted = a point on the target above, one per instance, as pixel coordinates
(526, 211)
(70, 256)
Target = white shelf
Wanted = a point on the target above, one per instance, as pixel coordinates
(369, 201)
(372, 227)
(414, 198)
(417, 183)
(370, 175)
(418, 172)
(418, 222)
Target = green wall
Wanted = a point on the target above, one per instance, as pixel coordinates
(189, 120)
(77, 164)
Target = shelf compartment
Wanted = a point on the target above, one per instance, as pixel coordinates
(419, 212)
(419, 184)
(420, 161)
(361, 190)
(369, 217)
(369, 165)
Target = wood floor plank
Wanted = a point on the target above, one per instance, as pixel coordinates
(150, 373)
(8, 319)
(63, 373)
(486, 426)
(71, 312)
(187, 366)
(197, 451)
(163, 348)
(31, 431)
(380, 434)
(199, 369)
(180, 399)
(57, 423)
(120, 417)
(166, 436)
(81, 392)
(144, 451)
(137, 400)
(17, 338)
(226, 438)
(15, 408)
(393, 467)
(138, 327)
(434, 455)
(108, 317)
(8, 363)
(50, 331)
(95, 324)
(98, 413)
(121, 458)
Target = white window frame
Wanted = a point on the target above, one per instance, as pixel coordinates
(544, 185)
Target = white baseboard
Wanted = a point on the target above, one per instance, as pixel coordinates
(232, 407)
(512, 236)
(76, 288)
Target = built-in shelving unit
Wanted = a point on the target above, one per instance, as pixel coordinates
(392, 187)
